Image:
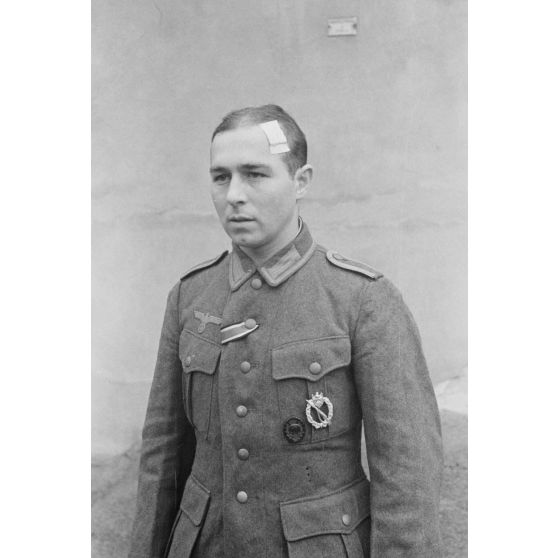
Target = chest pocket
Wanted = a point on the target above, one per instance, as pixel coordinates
(200, 359)
(303, 369)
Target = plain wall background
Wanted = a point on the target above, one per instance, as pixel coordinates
(385, 117)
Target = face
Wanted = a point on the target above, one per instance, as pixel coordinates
(253, 192)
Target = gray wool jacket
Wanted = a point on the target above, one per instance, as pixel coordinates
(264, 378)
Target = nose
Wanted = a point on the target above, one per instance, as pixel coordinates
(236, 192)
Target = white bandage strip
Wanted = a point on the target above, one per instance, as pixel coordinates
(275, 137)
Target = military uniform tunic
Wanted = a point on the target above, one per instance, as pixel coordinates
(238, 458)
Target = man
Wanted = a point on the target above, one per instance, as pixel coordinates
(271, 359)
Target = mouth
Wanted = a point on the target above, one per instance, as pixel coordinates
(239, 219)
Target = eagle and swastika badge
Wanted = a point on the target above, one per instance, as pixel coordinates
(206, 318)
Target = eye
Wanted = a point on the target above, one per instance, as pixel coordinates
(255, 174)
(220, 179)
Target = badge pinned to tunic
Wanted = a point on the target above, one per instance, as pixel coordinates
(206, 319)
(294, 430)
(316, 404)
(237, 331)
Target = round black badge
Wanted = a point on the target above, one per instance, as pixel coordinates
(294, 430)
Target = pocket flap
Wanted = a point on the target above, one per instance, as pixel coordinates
(194, 500)
(310, 359)
(198, 354)
(337, 513)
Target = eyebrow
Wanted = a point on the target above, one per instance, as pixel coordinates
(244, 167)
(250, 166)
(218, 169)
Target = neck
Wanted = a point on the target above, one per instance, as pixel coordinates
(261, 254)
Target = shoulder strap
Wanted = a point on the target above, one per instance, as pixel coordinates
(340, 261)
(204, 265)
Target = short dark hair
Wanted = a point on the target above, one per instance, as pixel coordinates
(252, 116)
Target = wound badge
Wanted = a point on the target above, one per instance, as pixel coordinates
(316, 403)
(294, 430)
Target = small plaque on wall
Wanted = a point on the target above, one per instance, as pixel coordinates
(342, 26)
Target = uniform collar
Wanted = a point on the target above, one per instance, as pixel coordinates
(276, 269)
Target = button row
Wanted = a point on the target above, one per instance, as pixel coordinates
(241, 411)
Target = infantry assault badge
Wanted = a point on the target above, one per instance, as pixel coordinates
(316, 403)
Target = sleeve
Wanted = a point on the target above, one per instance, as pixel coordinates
(401, 425)
(168, 446)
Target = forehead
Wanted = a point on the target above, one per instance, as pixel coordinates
(246, 145)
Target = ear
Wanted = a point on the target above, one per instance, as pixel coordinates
(302, 180)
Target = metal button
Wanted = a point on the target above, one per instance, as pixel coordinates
(250, 323)
(346, 519)
(315, 368)
(256, 283)
(245, 366)
(188, 360)
(243, 454)
(242, 497)
(241, 411)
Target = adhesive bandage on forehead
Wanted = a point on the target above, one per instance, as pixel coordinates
(275, 137)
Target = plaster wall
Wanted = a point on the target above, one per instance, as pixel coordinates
(385, 117)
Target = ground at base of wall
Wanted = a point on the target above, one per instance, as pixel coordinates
(114, 483)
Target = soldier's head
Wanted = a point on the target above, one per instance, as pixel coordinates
(297, 154)
(258, 173)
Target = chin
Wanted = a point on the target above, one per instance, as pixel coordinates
(247, 243)
(243, 239)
